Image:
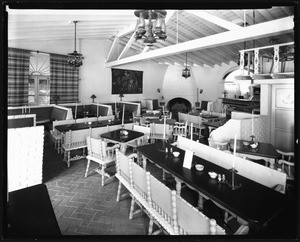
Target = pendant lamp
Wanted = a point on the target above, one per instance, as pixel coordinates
(75, 59)
(186, 72)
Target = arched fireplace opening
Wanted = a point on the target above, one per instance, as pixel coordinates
(178, 104)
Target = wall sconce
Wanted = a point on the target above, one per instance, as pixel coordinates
(93, 97)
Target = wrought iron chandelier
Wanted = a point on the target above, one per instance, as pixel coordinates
(156, 27)
(186, 72)
(75, 59)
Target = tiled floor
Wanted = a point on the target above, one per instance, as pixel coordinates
(81, 205)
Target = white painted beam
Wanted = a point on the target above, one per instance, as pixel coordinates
(266, 29)
(112, 47)
(127, 46)
(214, 19)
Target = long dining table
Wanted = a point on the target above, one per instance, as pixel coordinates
(252, 202)
(85, 125)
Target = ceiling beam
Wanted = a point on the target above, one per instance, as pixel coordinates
(127, 46)
(213, 19)
(112, 48)
(275, 27)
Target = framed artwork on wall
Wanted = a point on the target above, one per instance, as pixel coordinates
(126, 81)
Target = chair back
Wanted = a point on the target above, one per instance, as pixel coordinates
(122, 164)
(76, 136)
(180, 129)
(191, 221)
(143, 129)
(158, 129)
(287, 163)
(138, 179)
(94, 147)
(160, 199)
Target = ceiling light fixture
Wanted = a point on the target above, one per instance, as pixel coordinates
(186, 72)
(156, 27)
(75, 59)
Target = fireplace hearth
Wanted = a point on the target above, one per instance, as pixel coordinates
(178, 104)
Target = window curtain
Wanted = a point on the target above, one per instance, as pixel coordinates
(17, 77)
(64, 80)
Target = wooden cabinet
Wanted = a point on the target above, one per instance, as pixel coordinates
(39, 90)
(282, 117)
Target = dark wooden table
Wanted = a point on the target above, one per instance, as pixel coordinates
(252, 202)
(263, 150)
(161, 121)
(117, 136)
(66, 127)
(208, 117)
(30, 213)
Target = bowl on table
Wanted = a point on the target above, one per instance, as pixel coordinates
(246, 143)
(176, 153)
(199, 167)
(212, 174)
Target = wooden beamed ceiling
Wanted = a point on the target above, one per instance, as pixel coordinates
(188, 25)
(209, 37)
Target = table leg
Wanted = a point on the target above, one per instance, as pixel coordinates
(144, 163)
(200, 202)
(178, 186)
(123, 148)
(272, 163)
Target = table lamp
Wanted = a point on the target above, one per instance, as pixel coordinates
(93, 97)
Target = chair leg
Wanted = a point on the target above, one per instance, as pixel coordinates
(131, 207)
(69, 156)
(119, 191)
(58, 146)
(87, 168)
(65, 155)
(150, 229)
(103, 174)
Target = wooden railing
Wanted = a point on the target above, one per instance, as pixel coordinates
(254, 58)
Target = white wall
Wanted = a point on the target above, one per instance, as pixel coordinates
(95, 78)
(210, 80)
(174, 85)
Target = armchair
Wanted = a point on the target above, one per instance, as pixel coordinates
(99, 153)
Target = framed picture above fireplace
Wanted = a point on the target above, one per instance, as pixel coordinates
(126, 81)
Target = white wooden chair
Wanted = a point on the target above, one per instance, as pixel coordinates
(160, 202)
(286, 162)
(123, 174)
(157, 131)
(140, 188)
(57, 136)
(179, 129)
(191, 221)
(99, 153)
(74, 140)
(144, 139)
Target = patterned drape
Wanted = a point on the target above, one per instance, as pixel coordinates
(17, 77)
(64, 80)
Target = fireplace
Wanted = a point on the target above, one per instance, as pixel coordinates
(178, 104)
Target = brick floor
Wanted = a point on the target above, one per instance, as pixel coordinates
(81, 205)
